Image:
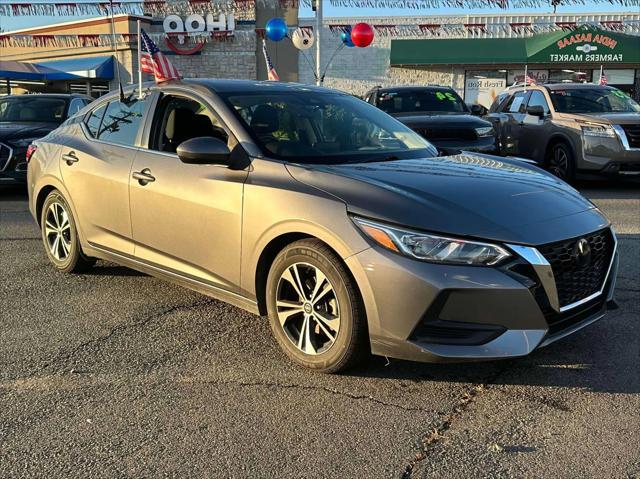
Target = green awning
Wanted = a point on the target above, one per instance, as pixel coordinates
(584, 45)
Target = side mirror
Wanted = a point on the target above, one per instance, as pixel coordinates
(536, 110)
(478, 110)
(204, 150)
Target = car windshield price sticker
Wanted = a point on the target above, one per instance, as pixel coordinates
(445, 96)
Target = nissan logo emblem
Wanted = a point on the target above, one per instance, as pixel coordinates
(582, 252)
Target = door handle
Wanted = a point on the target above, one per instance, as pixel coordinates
(143, 176)
(70, 158)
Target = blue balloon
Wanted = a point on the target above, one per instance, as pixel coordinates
(276, 29)
(346, 38)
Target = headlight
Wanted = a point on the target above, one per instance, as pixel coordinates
(598, 131)
(484, 131)
(432, 248)
(23, 142)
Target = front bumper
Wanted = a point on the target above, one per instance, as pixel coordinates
(610, 156)
(470, 313)
(13, 164)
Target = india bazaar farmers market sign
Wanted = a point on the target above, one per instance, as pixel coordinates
(583, 45)
(591, 46)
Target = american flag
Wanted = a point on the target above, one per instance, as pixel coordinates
(529, 80)
(153, 61)
(603, 79)
(272, 75)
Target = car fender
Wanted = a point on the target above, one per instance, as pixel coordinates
(567, 138)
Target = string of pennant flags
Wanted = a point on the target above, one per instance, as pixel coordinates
(460, 29)
(70, 8)
(396, 31)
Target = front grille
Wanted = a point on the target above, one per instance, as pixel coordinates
(558, 322)
(454, 134)
(575, 282)
(633, 135)
(5, 156)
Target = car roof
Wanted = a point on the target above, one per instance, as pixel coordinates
(49, 95)
(558, 85)
(413, 88)
(228, 86)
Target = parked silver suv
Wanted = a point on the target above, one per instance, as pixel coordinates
(570, 128)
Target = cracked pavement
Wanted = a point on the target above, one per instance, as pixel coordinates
(117, 374)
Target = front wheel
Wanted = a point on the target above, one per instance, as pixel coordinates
(60, 236)
(315, 310)
(561, 162)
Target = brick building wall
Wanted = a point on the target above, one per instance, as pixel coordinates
(356, 70)
(234, 58)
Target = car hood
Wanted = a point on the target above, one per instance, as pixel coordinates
(442, 120)
(607, 118)
(15, 131)
(479, 196)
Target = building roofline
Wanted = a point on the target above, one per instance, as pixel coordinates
(633, 15)
(63, 25)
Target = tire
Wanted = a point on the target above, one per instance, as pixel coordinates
(57, 224)
(325, 331)
(561, 162)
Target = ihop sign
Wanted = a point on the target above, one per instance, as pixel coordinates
(181, 32)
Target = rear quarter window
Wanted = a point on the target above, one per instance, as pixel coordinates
(94, 119)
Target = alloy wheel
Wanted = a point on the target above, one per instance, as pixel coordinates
(307, 308)
(559, 164)
(57, 229)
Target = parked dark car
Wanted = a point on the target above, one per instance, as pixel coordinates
(570, 128)
(439, 115)
(327, 215)
(25, 118)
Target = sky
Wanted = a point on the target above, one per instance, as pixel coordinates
(16, 23)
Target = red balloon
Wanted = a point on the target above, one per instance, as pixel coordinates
(362, 35)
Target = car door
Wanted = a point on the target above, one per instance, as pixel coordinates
(96, 164)
(188, 218)
(514, 112)
(532, 128)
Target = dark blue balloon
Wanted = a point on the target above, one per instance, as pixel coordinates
(346, 38)
(276, 29)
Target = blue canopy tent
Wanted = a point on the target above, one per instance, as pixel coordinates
(23, 71)
(75, 68)
(71, 69)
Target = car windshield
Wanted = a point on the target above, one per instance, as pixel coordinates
(440, 100)
(324, 128)
(592, 100)
(31, 108)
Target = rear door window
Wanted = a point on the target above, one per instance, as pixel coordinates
(122, 121)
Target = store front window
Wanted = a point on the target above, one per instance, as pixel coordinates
(517, 76)
(483, 86)
(570, 75)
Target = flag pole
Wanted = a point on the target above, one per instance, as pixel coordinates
(318, 48)
(115, 51)
(526, 76)
(139, 58)
(600, 79)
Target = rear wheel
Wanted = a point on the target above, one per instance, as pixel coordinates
(561, 162)
(315, 310)
(60, 236)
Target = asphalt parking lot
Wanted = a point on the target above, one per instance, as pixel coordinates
(117, 374)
